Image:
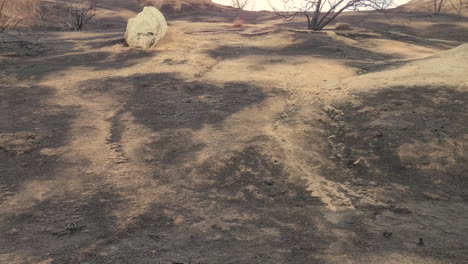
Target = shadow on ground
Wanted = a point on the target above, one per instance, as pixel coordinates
(28, 124)
(306, 44)
(101, 60)
(243, 207)
(244, 211)
(411, 136)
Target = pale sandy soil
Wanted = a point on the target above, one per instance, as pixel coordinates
(260, 144)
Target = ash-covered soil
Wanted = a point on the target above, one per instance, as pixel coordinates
(260, 144)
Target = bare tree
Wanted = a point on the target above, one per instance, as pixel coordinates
(438, 4)
(320, 13)
(78, 13)
(240, 4)
(459, 6)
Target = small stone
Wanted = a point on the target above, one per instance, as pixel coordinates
(332, 112)
(377, 134)
(268, 182)
(387, 234)
(342, 26)
(401, 210)
(359, 182)
(13, 231)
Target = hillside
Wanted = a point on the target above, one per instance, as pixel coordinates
(428, 6)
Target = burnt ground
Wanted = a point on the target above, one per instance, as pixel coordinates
(259, 144)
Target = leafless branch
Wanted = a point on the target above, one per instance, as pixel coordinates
(459, 6)
(78, 13)
(320, 13)
(241, 4)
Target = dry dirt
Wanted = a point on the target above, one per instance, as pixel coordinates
(260, 144)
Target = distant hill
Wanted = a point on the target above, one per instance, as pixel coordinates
(427, 6)
(168, 7)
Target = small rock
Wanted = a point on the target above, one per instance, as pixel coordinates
(372, 183)
(359, 182)
(400, 210)
(342, 26)
(377, 134)
(421, 242)
(268, 182)
(332, 112)
(13, 231)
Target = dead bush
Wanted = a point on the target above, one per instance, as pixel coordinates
(459, 6)
(438, 4)
(15, 12)
(76, 14)
(342, 26)
(240, 4)
(320, 13)
(238, 22)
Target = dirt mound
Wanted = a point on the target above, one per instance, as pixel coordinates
(447, 67)
(458, 52)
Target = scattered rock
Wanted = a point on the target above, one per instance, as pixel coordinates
(332, 112)
(13, 231)
(18, 143)
(359, 182)
(377, 134)
(268, 182)
(433, 196)
(387, 234)
(363, 182)
(146, 29)
(354, 163)
(342, 26)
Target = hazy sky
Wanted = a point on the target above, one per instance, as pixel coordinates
(263, 4)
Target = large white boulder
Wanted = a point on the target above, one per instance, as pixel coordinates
(146, 29)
